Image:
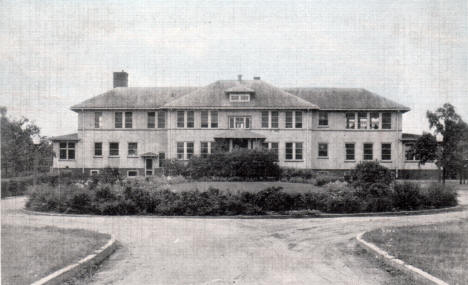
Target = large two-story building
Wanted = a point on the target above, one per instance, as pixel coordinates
(328, 129)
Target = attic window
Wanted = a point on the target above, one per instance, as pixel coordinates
(239, 97)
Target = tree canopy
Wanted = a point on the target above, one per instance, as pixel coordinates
(17, 148)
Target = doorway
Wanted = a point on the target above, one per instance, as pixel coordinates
(148, 167)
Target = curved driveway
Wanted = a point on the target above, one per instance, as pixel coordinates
(158, 250)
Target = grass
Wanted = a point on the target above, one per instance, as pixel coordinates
(29, 253)
(440, 250)
(252, 187)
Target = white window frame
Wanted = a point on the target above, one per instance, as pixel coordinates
(346, 151)
(239, 97)
(118, 149)
(151, 120)
(102, 149)
(293, 120)
(326, 115)
(97, 120)
(128, 149)
(161, 119)
(244, 118)
(185, 148)
(381, 152)
(67, 149)
(208, 148)
(318, 150)
(132, 170)
(294, 151)
(364, 151)
(128, 119)
(93, 172)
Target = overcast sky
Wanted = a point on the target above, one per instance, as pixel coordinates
(54, 54)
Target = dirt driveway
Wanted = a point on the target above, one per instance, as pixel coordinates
(232, 251)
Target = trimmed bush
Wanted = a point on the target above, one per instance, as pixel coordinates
(370, 172)
(407, 196)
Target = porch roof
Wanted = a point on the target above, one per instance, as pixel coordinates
(239, 134)
(149, 154)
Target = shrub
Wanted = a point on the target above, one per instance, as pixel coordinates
(290, 173)
(322, 179)
(370, 172)
(407, 196)
(109, 175)
(438, 195)
(242, 164)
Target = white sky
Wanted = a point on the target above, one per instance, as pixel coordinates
(54, 54)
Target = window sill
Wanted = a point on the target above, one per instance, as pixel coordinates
(323, 127)
(322, 157)
(386, 161)
(350, 160)
(114, 156)
(62, 159)
(98, 156)
(293, 160)
(132, 156)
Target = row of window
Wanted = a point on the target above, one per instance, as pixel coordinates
(270, 119)
(367, 151)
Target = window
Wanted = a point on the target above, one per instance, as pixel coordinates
(94, 172)
(205, 149)
(180, 119)
(190, 119)
(265, 119)
(128, 120)
(386, 151)
(386, 121)
(273, 147)
(97, 119)
(98, 149)
(132, 173)
(161, 119)
(132, 149)
(298, 119)
(162, 159)
(184, 150)
(323, 118)
(239, 122)
(214, 119)
(294, 151)
(289, 120)
(409, 154)
(239, 97)
(118, 120)
(151, 120)
(113, 149)
(323, 150)
(204, 119)
(362, 120)
(374, 121)
(368, 151)
(350, 120)
(349, 151)
(274, 119)
(67, 150)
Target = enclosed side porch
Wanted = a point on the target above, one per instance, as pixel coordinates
(239, 139)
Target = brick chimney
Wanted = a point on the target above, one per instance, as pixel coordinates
(120, 79)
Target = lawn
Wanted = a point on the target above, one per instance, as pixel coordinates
(29, 253)
(441, 250)
(252, 187)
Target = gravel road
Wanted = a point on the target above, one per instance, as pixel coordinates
(158, 250)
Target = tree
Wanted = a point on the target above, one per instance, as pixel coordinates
(18, 149)
(444, 122)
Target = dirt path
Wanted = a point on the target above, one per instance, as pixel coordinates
(232, 251)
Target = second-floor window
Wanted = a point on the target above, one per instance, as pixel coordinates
(265, 119)
(241, 122)
(293, 119)
(362, 120)
(204, 119)
(67, 150)
(209, 119)
(128, 120)
(97, 119)
(118, 120)
(98, 149)
(161, 119)
(323, 119)
(181, 123)
(190, 119)
(270, 119)
(132, 149)
(151, 120)
(386, 121)
(374, 120)
(350, 120)
(180, 119)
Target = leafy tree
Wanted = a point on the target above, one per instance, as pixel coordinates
(18, 150)
(444, 122)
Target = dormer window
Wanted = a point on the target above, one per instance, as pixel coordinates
(239, 97)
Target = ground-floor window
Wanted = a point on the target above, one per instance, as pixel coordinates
(273, 147)
(205, 149)
(67, 150)
(98, 149)
(132, 149)
(386, 151)
(293, 151)
(350, 153)
(132, 173)
(162, 159)
(114, 149)
(323, 150)
(368, 152)
(93, 172)
(184, 150)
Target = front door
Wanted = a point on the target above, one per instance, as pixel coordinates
(148, 166)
